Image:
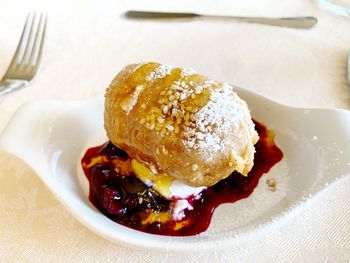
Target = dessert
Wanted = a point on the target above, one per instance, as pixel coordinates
(180, 145)
(191, 128)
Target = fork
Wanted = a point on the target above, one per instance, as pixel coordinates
(27, 58)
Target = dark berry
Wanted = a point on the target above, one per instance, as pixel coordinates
(113, 152)
(156, 227)
(112, 201)
(101, 175)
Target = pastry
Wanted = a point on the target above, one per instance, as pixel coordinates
(179, 123)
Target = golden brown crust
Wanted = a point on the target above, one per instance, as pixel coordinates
(182, 123)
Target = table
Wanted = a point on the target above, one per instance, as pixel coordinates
(88, 42)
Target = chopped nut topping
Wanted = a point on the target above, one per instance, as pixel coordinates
(160, 119)
(194, 167)
(177, 108)
(170, 128)
(272, 184)
(165, 109)
(164, 150)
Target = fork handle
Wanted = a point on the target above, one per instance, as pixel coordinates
(7, 86)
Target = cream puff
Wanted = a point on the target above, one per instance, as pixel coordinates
(180, 123)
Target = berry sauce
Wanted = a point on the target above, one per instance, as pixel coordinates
(125, 199)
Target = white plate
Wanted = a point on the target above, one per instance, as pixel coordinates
(52, 136)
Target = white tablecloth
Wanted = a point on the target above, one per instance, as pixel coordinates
(88, 42)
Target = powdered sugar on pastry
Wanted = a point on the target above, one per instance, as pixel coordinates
(224, 110)
(187, 72)
(159, 72)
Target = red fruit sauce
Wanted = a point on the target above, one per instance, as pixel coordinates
(125, 199)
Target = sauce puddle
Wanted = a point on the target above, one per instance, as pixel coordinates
(125, 199)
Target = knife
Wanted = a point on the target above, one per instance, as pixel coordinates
(303, 22)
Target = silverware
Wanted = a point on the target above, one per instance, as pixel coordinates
(27, 58)
(293, 22)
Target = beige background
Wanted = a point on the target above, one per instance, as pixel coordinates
(87, 44)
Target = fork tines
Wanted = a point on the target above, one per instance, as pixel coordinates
(29, 50)
(27, 58)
